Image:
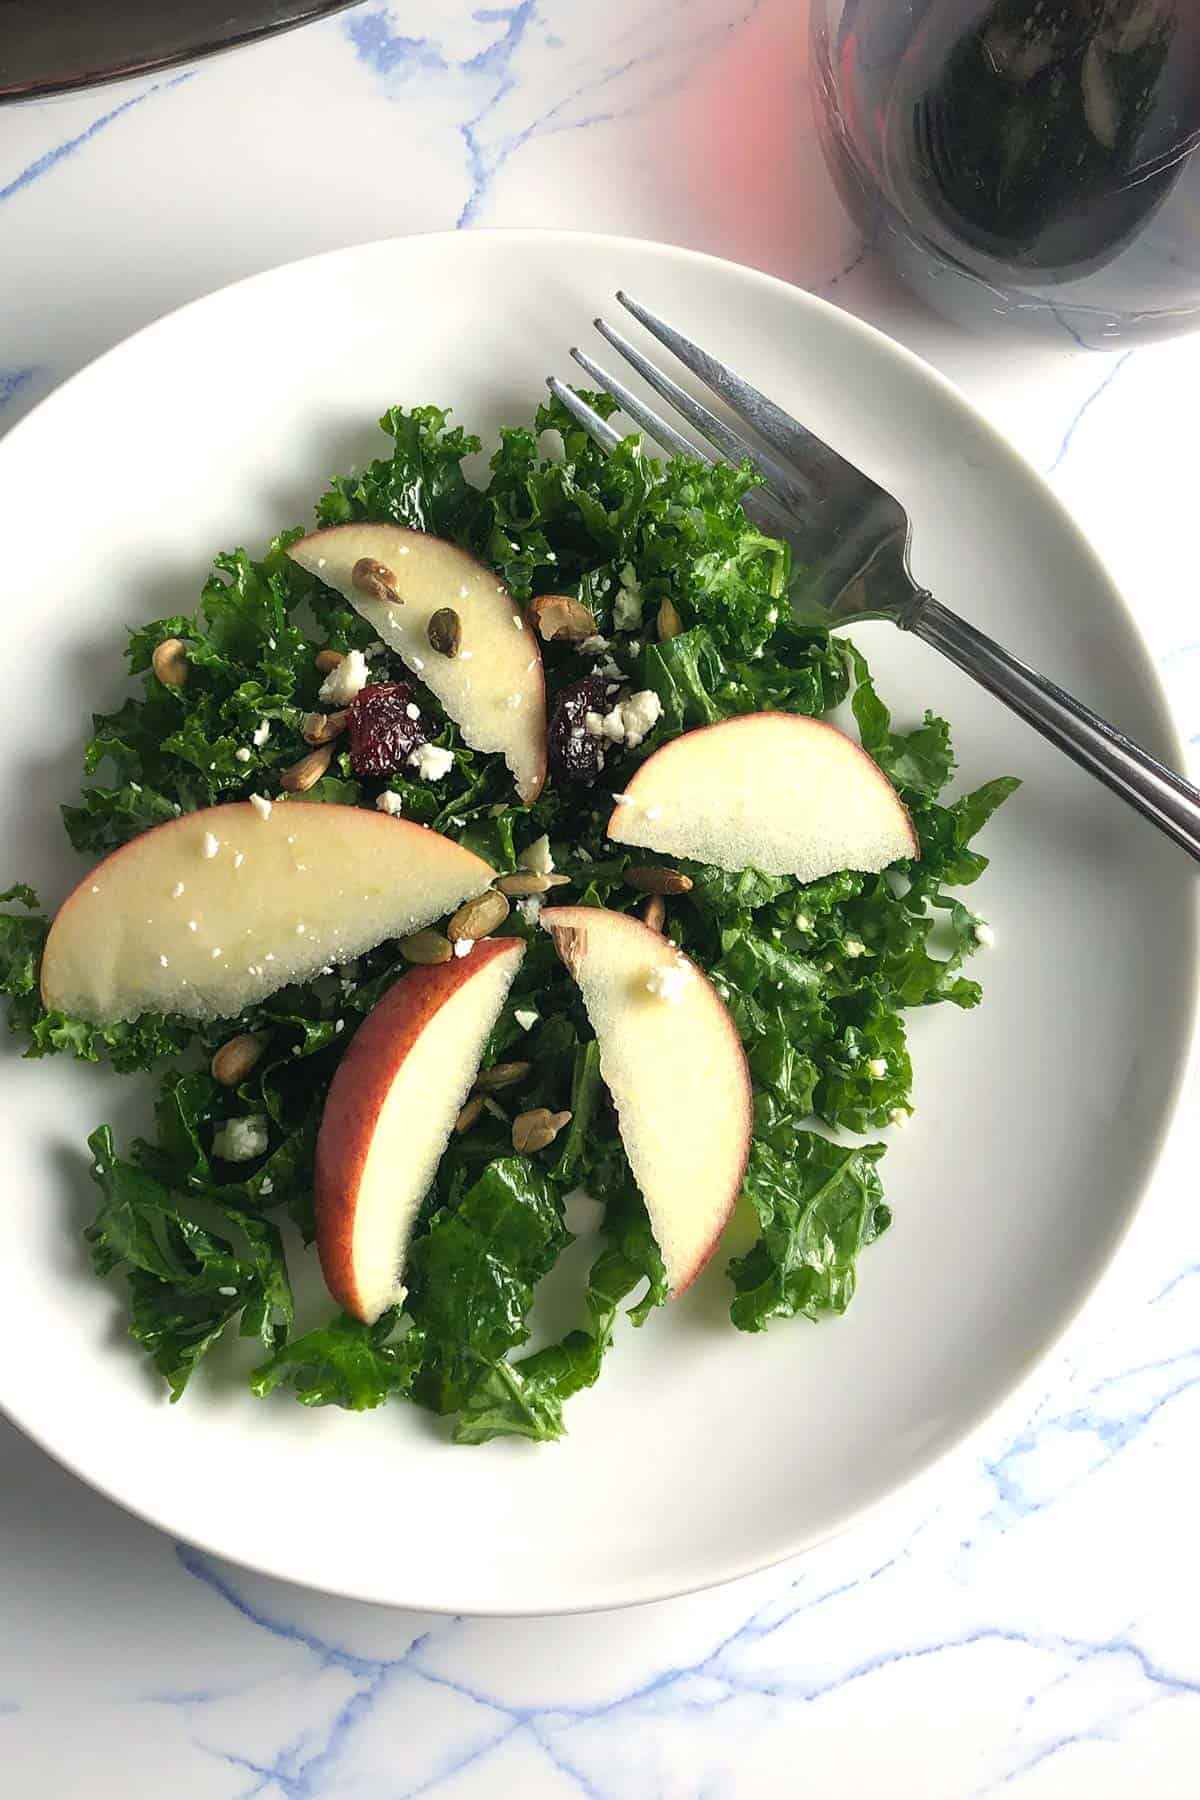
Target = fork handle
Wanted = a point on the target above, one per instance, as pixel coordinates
(1164, 797)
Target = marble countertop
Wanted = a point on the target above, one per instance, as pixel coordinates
(1025, 1620)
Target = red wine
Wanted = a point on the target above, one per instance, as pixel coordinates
(1031, 161)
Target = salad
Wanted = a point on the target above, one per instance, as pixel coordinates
(475, 870)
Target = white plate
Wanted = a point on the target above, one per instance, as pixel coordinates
(703, 1453)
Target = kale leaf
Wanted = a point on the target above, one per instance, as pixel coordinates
(817, 976)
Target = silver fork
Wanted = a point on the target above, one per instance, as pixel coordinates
(856, 536)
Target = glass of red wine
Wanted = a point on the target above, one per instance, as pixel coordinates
(1026, 164)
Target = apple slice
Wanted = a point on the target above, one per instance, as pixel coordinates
(390, 1111)
(675, 1067)
(493, 686)
(218, 908)
(770, 791)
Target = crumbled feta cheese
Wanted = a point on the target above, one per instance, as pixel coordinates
(266, 1185)
(668, 980)
(347, 680)
(985, 937)
(261, 733)
(388, 802)
(430, 762)
(339, 1025)
(463, 946)
(803, 922)
(176, 891)
(375, 648)
(525, 1019)
(627, 606)
(640, 713)
(228, 1293)
(536, 857)
(529, 907)
(610, 670)
(898, 1116)
(629, 720)
(854, 947)
(594, 645)
(877, 1068)
(414, 712)
(210, 846)
(261, 805)
(241, 754)
(241, 1140)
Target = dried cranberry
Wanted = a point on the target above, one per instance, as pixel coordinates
(574, 754)
(383, 732)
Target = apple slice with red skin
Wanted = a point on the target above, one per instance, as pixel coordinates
(211, 911)
(675, 1067)
(769, 791)
(389, 1114)
(494, 687)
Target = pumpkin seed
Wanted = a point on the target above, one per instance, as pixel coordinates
(469, 1114)
(170, 662)
(234, 1060)
(307, 772)
(669, 622)
(328, 660)
(426, 947)
(475, 918)
(501, 1076)
(654, 913)
(534, 1130)
(322, 728)
(561, 616)
(650, 879)
(523, 883)
(374, 579)
(444, 631)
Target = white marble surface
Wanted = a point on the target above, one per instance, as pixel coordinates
(1026, 1619)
